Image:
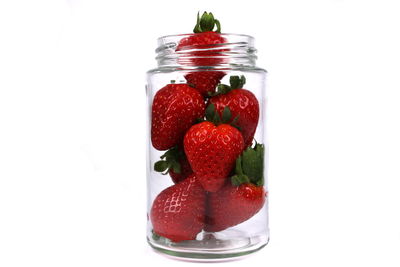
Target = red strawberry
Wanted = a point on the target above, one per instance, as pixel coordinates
(238, 201)
(175, 108)
(174, 161)
(201, 49)
(233, 205)
(242, 103)
(205, 46)
(205, 81)
(212, 151)
(206, 42)
(178, 211)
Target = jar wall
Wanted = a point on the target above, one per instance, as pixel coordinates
(240, 239)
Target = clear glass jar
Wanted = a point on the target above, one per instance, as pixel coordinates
(193, 219)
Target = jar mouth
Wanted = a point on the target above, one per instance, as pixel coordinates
(231, 49)
(228, 35)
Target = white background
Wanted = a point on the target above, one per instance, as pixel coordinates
(72, 150)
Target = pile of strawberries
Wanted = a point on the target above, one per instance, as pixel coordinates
(207, 129)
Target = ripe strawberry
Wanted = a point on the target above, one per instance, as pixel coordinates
(175, 108)
(205, 81)
(212, 150)
(201, 49)
(174, 161)
(242, 103)
(233, 205)
(178, 211)
(241, 199)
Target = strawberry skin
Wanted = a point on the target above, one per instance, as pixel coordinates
(185, 171)
(244, 105)
(178, 211)
(202, 39)
(211, 151)
(233, 205)
(175, 108)
(204, 43)
(204, 81)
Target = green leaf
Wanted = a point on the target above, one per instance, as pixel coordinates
(223, 89)
(176, 167)
(161, 166)
(210, 112)
(207, 22)
(237, 82)
(197, 27)
(226, 115)
(239, 179)
(216, 119)
(234, 82)
(218, 26)
(155, 236)
(198, 120)
(170, 160)
(238, 166)
(260, 182)
(250, 164)
(242, 81)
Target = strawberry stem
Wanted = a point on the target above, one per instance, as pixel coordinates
(206, 23)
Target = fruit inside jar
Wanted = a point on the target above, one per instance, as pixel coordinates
(207, 149)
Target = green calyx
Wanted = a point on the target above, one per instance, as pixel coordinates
(169, 161)
(250, 166)
(155, 236)
(206, 23)
(213, 116)
(236, 82)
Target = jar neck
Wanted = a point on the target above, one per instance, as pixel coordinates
(235, 50)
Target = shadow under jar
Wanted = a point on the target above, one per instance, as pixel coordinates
(207, 149)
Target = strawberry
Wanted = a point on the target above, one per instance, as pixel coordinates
(178, 211)
(212, 149)
(199, 49)
(205, 81)
(174, 161)
(233, 205)
(175, 108)
(242, 103)
(241, 198)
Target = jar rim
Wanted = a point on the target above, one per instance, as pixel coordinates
(237, 49)
(190, 34)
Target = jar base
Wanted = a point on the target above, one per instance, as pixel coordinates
(210, 246)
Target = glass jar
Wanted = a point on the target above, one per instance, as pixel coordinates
(207, 181)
